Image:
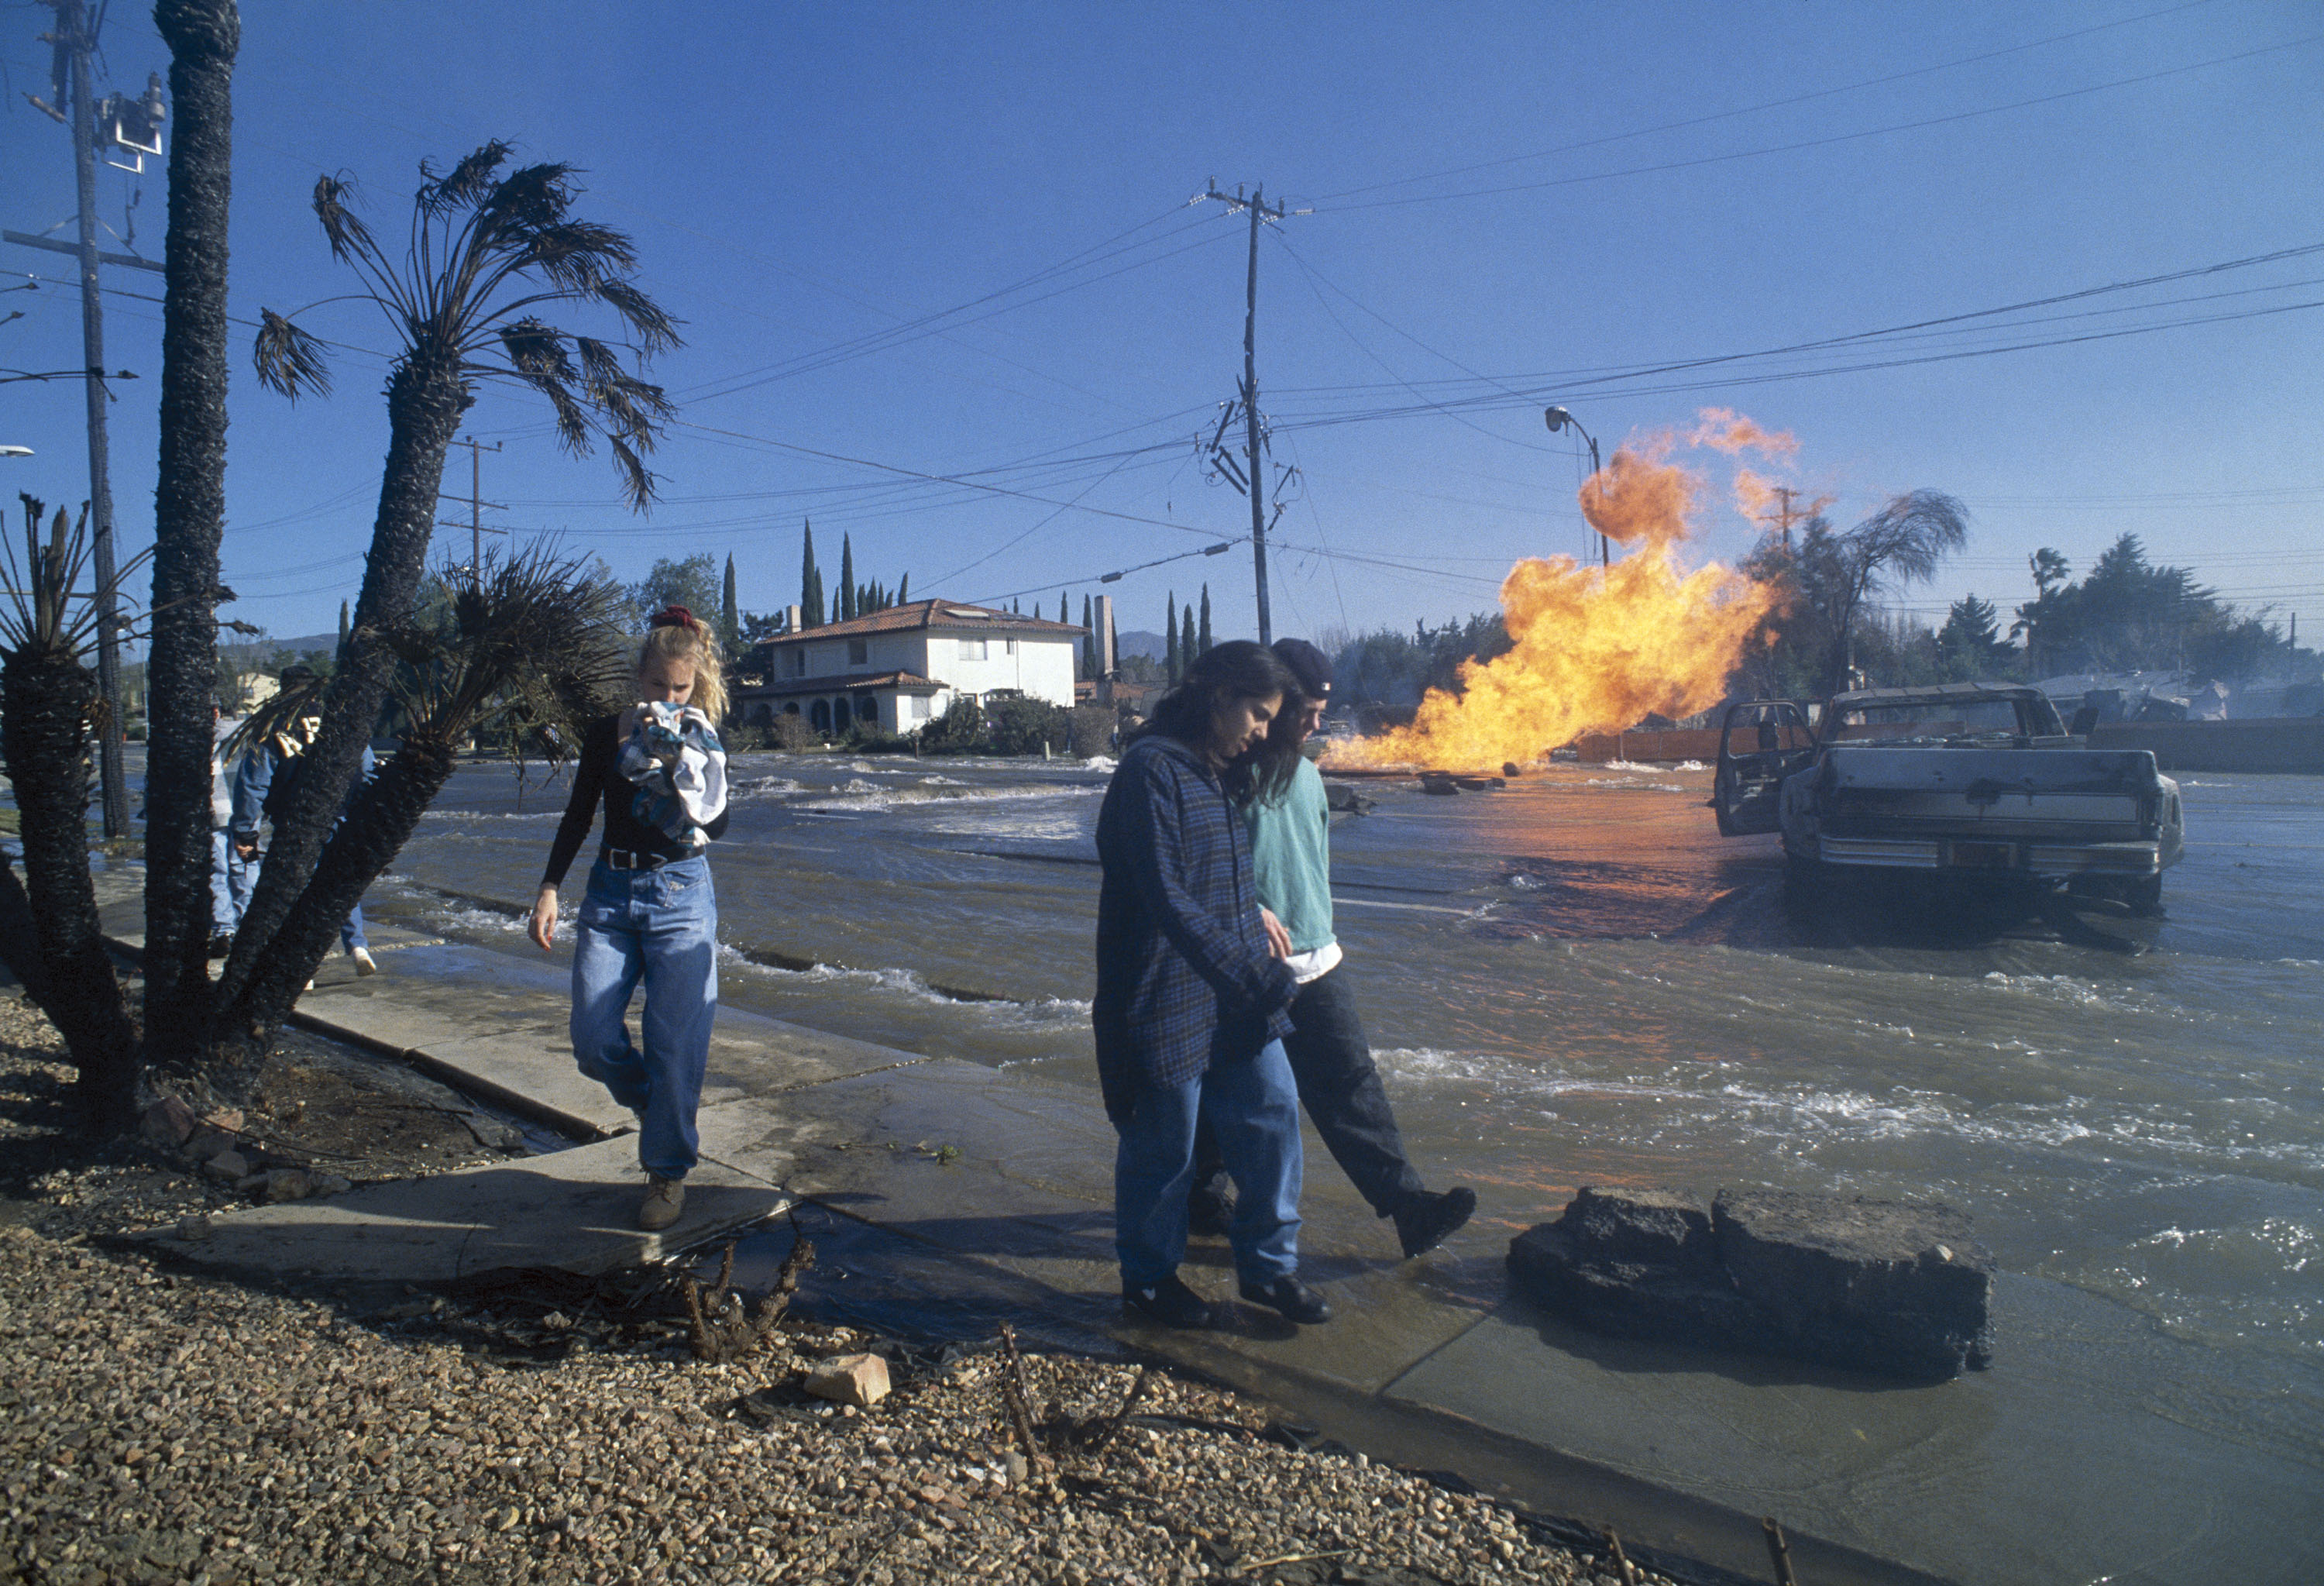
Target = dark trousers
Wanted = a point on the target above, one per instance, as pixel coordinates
(1331, 1063)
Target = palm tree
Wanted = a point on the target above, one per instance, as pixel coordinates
(528, 647)
(485, 254)
(189, 514)
(48, 704)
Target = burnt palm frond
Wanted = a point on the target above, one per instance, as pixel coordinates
(477, 229)
(290, 360)
(277, 714)
(350, 238)
(465, 185)
(50, 611)
(535, 638)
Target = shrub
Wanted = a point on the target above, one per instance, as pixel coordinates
(1021, 726)
(791, 732)
(1092, 731)
(959, 731)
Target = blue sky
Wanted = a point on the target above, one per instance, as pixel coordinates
(1511, 205)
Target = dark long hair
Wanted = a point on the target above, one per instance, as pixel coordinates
(1263, 775)
(1237, 669)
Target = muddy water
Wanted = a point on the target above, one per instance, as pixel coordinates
(1576, 979)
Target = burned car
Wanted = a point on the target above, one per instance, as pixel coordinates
(1974, 782)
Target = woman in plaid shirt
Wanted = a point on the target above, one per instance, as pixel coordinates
(1189, 1012)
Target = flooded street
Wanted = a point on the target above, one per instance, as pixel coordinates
(1575, 979)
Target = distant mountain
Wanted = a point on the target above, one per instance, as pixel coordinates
(1138, 642)
(257, 651)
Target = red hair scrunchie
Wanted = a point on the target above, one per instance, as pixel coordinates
(676, 616)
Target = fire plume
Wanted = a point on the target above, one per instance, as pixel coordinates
(1597, 650)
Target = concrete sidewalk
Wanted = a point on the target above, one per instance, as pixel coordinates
(978, 1178)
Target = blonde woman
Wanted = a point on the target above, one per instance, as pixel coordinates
(649, 915)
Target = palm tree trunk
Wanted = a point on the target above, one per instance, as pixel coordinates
(45, 697)
(378, 822)
(425, 397)
(189, 516)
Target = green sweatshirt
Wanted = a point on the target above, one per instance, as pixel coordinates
(1291, 857)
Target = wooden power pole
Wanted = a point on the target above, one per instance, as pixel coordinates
(477, 505)
(1256, 206)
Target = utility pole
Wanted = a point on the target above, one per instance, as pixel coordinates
(1785, 517)
(477, 505)
(1256, 206)
(72, 41)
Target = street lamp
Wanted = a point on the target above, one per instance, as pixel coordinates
(1557, 419)
(15, 451)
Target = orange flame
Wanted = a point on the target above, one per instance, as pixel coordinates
(1595, 650)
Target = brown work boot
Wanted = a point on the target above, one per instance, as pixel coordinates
(665, 1199)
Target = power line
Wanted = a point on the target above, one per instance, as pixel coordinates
(1822, 142)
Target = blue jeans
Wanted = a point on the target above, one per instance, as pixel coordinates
(1254, 1108)
(230, 883)
(660, 926)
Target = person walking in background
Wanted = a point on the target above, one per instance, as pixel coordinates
(1289, 821)
(230, 878)
(263, 785)
(1189, 1011)
(650, 916)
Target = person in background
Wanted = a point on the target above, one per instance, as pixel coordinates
(263, 786)
(650, 913)
(1289, 821)
(230, 878)
(1189, 1012)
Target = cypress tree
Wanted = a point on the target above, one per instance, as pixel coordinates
(1089, 640)
(847, 579)
(1186, 651)
(730, 619)
(342, 650)
(1170, 639)
(810, 582)
(1204, 638)
(1065, 607)
(904, 589)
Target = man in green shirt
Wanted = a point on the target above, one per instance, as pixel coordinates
(1290, 829)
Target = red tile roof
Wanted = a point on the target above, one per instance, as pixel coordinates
(949, 615)
(841, 683)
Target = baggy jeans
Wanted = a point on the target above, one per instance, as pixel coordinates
(1253, 1107)
(660, 927)
(1340, 1086)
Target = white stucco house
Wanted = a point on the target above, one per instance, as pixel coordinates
(902, 668)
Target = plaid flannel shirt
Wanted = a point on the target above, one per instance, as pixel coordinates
(1184, 976)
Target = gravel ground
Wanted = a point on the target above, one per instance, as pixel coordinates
(165, 1426)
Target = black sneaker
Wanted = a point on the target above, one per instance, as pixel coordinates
(221, 944)
(1169, 1302)
(1294, 1299)
(1210, 1208)
(1424, 1221)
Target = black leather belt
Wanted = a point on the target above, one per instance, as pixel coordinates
(631, 859)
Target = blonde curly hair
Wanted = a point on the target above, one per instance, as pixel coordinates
(677, 635)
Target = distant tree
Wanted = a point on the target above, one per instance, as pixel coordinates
(904, 589)
(1828, 582)
(692, 583)
(811, 582)
(1394, 667)
(1172, 660)
(729, 615)
(1970, 646)
(1188, 651)
(757, 627)
(1203, 634)
(847, 579)
(342, 647)
(1089, 640)
(487, 251)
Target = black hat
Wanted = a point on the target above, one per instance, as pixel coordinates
(296, 675)
(1309, 665)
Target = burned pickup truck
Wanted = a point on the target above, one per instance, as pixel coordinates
(1971, 782)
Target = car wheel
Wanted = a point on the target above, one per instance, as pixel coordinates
(1803, 882)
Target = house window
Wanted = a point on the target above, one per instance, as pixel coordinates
(798, 660)
(859, 652)
(974, 648)
(920, 707)
(1012, 645)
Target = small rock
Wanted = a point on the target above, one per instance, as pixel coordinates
(287, 1183)
(208, 1142)
(230, 1166)
(1019, 1470)
(168, 1122)
(195, 1227)
(850, 1379)
(229, 1119)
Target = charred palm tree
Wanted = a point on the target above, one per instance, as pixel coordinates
(49, 707)
(485, 254)
(534, 641)
(189, 515)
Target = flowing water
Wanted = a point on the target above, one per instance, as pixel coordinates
(1575, 979)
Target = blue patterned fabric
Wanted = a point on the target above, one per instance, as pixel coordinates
(679, 766)
(1183, 977)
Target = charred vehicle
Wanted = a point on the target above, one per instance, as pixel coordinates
(1972, 782)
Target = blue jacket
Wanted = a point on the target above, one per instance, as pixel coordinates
(254, 782)
(1184, 976)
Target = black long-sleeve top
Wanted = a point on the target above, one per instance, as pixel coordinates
(595, 778)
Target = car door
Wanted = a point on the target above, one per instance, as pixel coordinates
(1761, 742)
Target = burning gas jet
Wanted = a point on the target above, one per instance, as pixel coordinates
(1598, 649)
